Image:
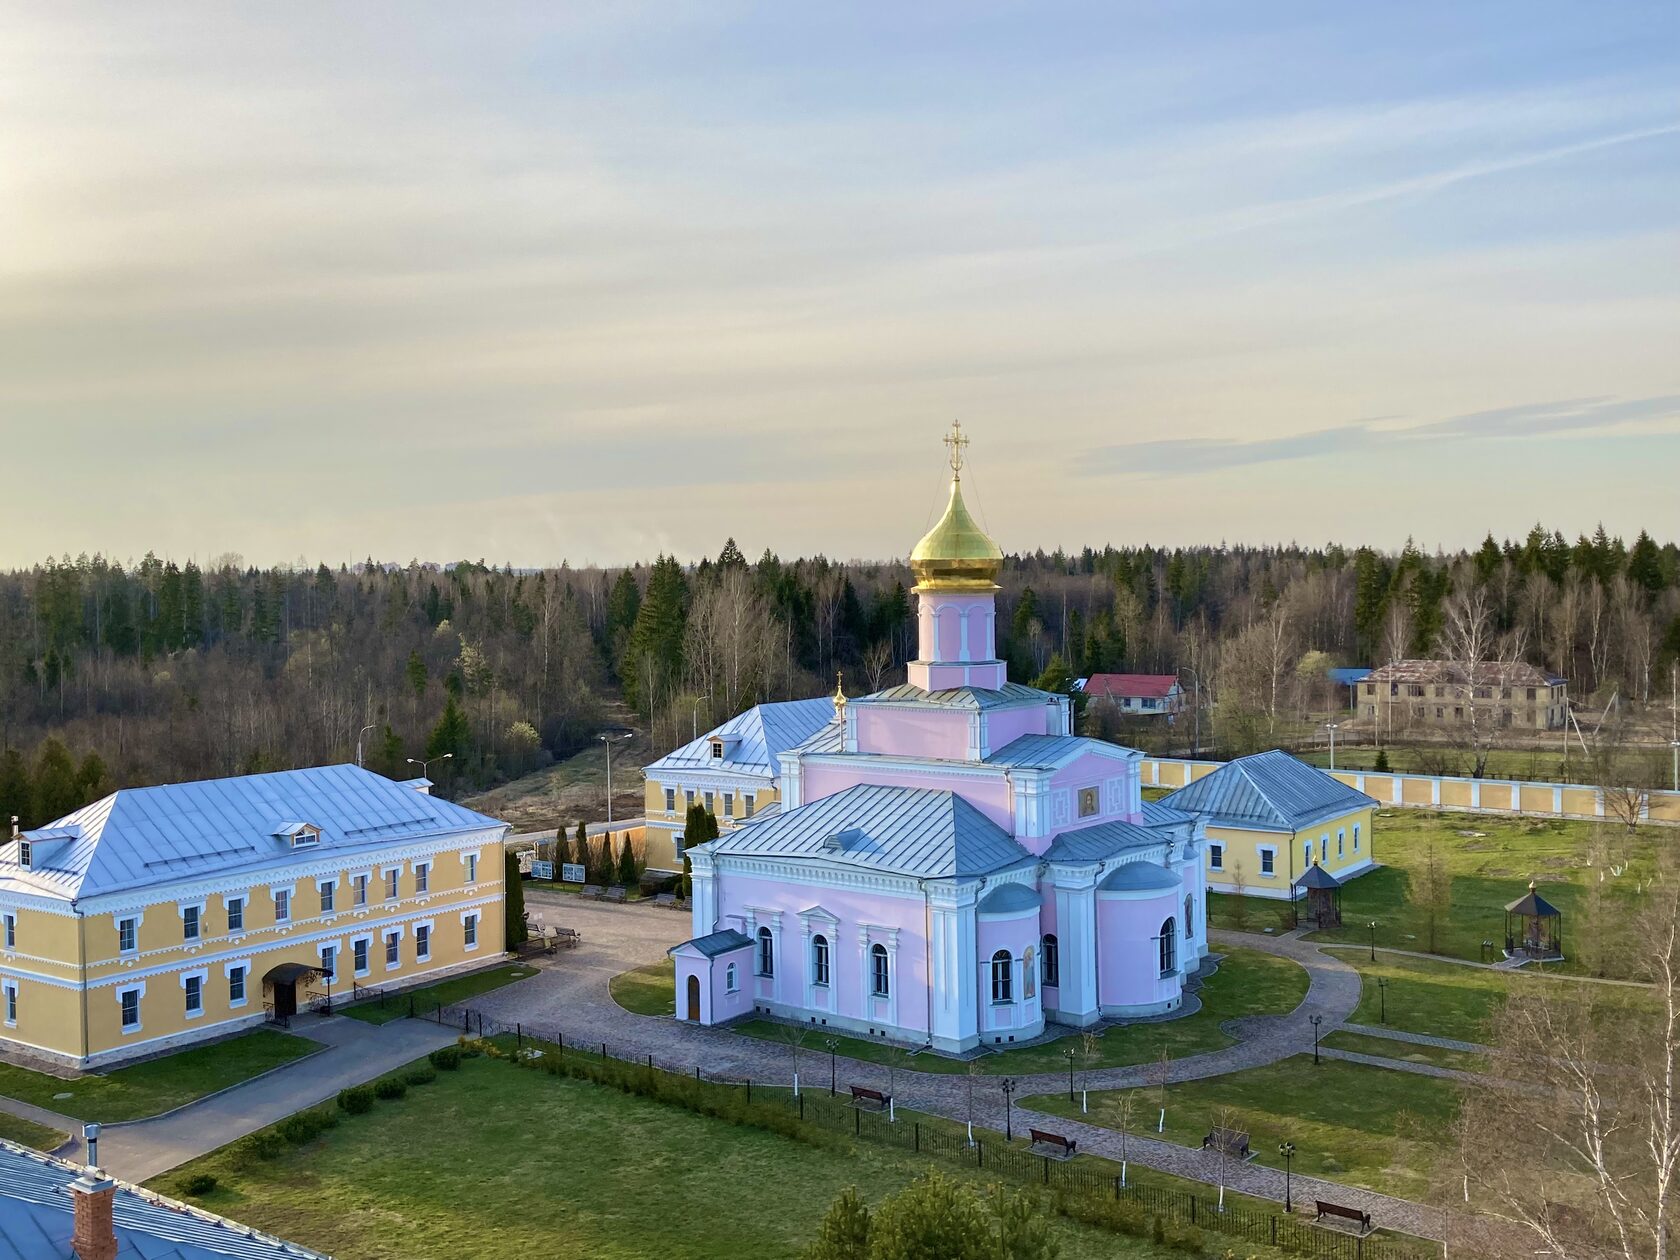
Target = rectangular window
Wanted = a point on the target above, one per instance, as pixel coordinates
(131, 1008)
(11, 1005)
(236, 986)
(236, 914)
(1268, 862)
(189, 923)
(392, 956)
(1306, 855)
(472, 868)
(195, 996)
(670, 800)
(329, 889)
(391, 885)
(747, 799)
(125, 935)
(729, 804)
(688, 798)
(710, 803)
(1087, 802)
(11, 931)
(1341, 838)
(359, 883)
(329, 961)
(469, 929)
(1216, 856)
(359, 955)
(283, 906)
(1356, 837)
(422, 943)
(422, 877)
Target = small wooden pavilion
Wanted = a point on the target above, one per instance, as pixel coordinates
(1533, 927)
(1324, 896)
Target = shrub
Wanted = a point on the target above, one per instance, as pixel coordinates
(267, 1144)
(357, 1100)
(446, 1058)
(198, 1185)
(420, 1076)
(306, 1126)
(390, 1087)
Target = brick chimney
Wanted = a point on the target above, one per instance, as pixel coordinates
(95, 1238)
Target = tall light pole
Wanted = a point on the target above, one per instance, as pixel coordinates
(1373, 940)
(1316, 1021)
(607, 742)
(1287, 1150)
(424, 771)
(1008, 1126)
(1196, 739)
(359, 735)
(1332, 727)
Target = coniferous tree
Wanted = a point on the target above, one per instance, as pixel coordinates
(55, 789)
(451, 734)
(580, 847)
(513, 899)
(844, 1233)
(16, 792)
(654, 661)
(627, 873)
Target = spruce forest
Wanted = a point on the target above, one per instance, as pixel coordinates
(117, 674)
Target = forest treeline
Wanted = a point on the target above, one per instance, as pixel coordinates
(117, 674)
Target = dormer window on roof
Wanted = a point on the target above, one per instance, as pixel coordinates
(724, 744)
(35, 847)
(299, 835)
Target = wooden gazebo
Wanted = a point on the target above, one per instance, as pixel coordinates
(1324, 896)
(1533, 927)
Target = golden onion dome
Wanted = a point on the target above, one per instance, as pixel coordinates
(956, 554)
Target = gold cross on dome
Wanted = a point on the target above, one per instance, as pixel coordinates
(955, 442)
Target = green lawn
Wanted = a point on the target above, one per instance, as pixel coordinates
(520, 1164)
(649, 990)
(157, 1085)
(28, 1133)
(1406, 1051)
(1248, 914)
(1248, 982)
(1435, 998)
(396, 1005)
(1490, 861)
(1362, 1125)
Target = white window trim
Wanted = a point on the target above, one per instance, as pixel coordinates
(477, 925)
(139, 991)
(731, 979)
(430, 932)
(8, 929)
(1216, 856)
(227, 973)
(1262, 849)
(243, 900)
(477, 856)
(364, 939)
(385, 873)
(385, 934)
(139, 917)
(423, 878)
(202, 975)
(9, 990)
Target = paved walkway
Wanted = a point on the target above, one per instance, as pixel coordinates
(1416, 1039)
(40, 1115)
(356, 1052)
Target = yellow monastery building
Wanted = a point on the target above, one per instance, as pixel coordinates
(734, 771)
(1271, 818)
(165, 915)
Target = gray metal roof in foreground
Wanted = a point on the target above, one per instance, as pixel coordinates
(1271, 791)
(36, 1218)
(140, 837)
(1049, 751)
(897, 830)
(754, 739)
(712, 944)
(1101, 841)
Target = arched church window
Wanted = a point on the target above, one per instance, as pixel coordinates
(766, 953)
(880, 980)
(1052, 962)
(1189, 918)
(1029, 974)
(1003, 978)
(1169, 946)
(819, 960)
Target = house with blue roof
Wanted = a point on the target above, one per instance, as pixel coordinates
(1270, 818)
(733, 770)
(160, 916)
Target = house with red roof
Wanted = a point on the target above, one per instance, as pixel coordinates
(1136, 694)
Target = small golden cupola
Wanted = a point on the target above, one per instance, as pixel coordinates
(956, 554)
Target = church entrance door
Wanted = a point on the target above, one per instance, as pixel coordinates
(694, 999)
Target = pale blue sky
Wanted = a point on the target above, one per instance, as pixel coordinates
(517, 282)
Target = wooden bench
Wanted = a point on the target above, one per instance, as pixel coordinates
(1232, 1142)
(1056, 1146)
(1362, 1219)
(863, 1094)
(616, 894)
(567, 937)
(665, 899)
(592, 890)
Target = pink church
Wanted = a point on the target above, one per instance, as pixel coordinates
(950, 866)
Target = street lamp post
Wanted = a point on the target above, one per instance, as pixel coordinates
(425, 766)
(359, 735)
(1070, 1054)
(1287, 1150)
(1008, 1125)
(833, 1048)
(1332, 727)
(1382, 999)
(1373, 940)
(607, 741)
(1316, 1021)
(1675, 745)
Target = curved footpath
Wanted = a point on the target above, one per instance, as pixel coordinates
(570, 996)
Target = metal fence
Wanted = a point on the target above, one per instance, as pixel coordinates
(1248, 1221)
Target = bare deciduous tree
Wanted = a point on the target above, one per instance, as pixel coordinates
(1482, 661)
